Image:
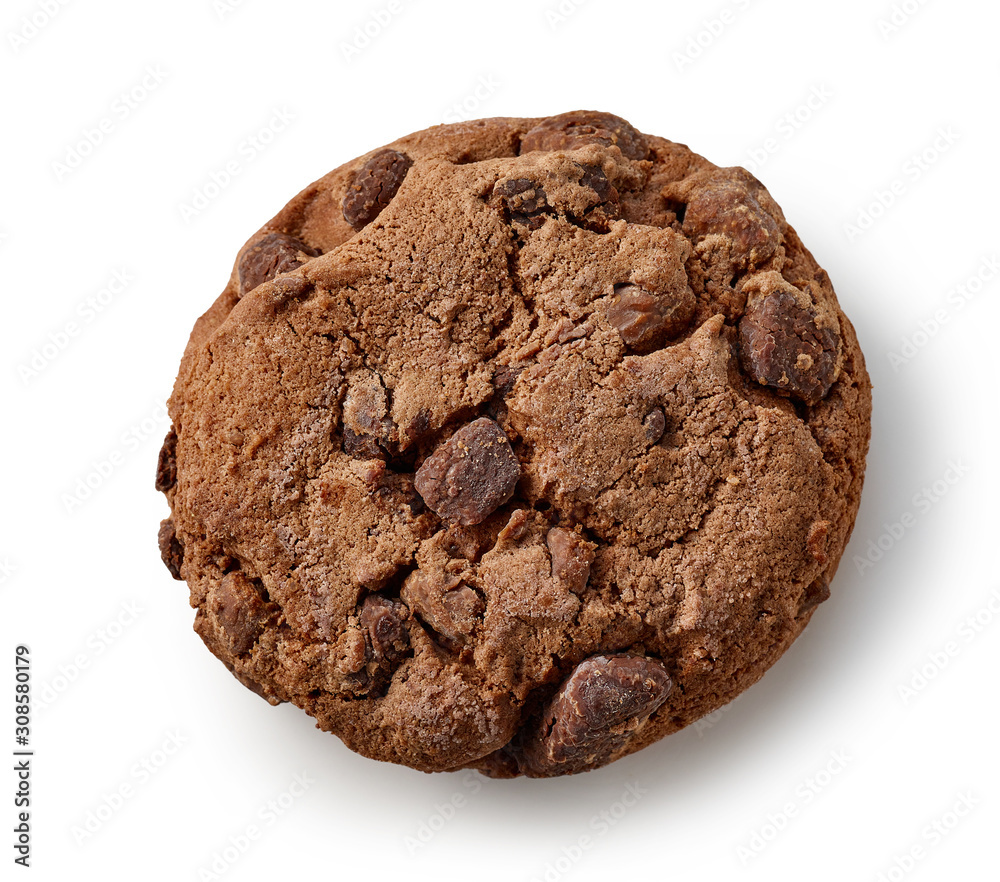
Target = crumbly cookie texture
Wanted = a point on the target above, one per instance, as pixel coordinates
(515, 445)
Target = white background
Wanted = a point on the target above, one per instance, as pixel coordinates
(754, 792)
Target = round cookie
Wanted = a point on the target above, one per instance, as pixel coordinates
(515, 445)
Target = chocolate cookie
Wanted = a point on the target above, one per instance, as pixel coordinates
(515, 445)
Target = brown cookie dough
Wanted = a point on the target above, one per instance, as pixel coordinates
(515, 445)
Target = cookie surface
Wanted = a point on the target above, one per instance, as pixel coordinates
(515, 445)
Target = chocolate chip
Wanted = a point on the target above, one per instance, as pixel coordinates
(362, 446)
(654, 424)
(584, 197)
(817, 592)
(571, 556)
(781, 345)
(593, 178)
(568, 131)
(215, 639)
(264, 690)
(370, 650)
(470, 475)
(525, 200)
(444, 602)
(383, 620)
(239, 610)
(602, 703)
(415, 504)
(166, 464)
(171, 550)
(725, 204)
(467, 542)
(504, 378)
(373, 187)
(608, 208)
(502, 763)
(646, 320)
(417, 427)
(270, 256)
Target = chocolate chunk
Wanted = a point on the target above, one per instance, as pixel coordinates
(502, 763)
(270, 256)
(527, 203)
(525, 200)
(217, 643)
(781, 345)
(264, 690)
(593, 178)
(370, 651)
(166, 464)
(414, 430)
(444, 602)
(817, 592)
(373, 187)
(655, 424)
(239, 610)
(724, 203)
(362, 446)
(415, 503)
(171, 550)
(470, 475)
(383, 620)
(646, 320)
(504, 378)
(571, 556)
(568, 131)
(603, 702)
(467, 542)
(607, 209)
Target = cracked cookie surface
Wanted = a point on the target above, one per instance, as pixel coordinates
(515, 445)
